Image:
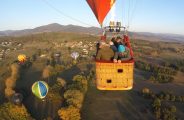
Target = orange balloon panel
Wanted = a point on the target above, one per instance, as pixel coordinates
(100, 8)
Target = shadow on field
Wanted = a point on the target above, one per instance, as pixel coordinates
(2, 96)
(70, 73)
(114, 105)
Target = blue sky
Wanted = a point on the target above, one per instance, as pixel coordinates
(160, 16)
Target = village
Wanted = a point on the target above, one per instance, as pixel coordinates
(8, 46)
(84, 48)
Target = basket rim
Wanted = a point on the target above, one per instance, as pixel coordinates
(105, 61)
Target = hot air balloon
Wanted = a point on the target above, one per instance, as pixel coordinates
(21, 58)
(40, 89)
(100, 8)
(109, 75)
(75, 55)
(17, 98)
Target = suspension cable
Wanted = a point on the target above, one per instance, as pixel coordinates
(133, 11)
(65, 15)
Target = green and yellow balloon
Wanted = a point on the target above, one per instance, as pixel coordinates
(40, 89)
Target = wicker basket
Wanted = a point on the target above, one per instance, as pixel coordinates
(114, 76)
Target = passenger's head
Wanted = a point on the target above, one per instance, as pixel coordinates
(121, 48)
(111, 43)
(113, 39)
(118, 39)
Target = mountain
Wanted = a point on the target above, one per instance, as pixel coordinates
(55, 27)
(158, 36)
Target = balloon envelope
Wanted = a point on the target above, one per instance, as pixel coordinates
(100, 8)
(75, 55)
(21, 58)
(17, 98)
(40, 89)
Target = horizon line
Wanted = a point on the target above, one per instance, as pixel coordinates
(86, 27)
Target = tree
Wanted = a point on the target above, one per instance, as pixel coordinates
(156, 103)
(9, 92)
(179, 98)
(10, 82)
(78, 78)
(167, 97)
(54, 94)
(61, 82)
(173, 109)
(157, 113)
(9, 111)
(173, 98)
(167, 114)
(47, 72)
(183, 98)
(161, 96)
(59, 68)
(69, 113)
(145, 90)
(74, 97)
(81, 82)
(152, 95)
(152, 78)
(15, 71)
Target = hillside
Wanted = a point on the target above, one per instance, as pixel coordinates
(158, 37)
(52, 28)
(55, 27)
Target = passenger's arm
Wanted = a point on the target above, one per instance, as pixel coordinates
(128, 55)
(98, 56)
(116, 55)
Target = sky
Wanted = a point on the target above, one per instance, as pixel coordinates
(158, 16)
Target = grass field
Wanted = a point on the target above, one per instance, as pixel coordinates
(114, 105)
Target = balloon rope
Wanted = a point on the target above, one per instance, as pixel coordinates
(63, 14)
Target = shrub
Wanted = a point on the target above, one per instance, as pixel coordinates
(10, 111)
(74, 97)
(69, 113)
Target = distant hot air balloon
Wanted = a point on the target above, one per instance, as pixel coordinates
(75, 55)
(17, 98)
(21, 58)
(40, 89)
(100, 8)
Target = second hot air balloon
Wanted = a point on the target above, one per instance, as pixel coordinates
(21, 58)
(40, 89)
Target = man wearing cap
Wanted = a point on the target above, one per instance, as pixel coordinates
(105, 52)
(123, 54)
